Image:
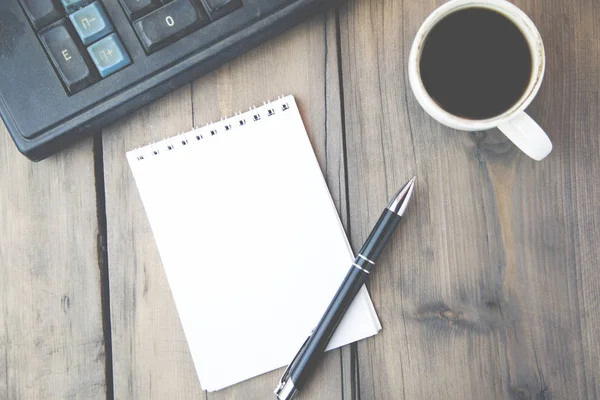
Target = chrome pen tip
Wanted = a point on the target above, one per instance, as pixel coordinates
(286, 390)
(401, 200)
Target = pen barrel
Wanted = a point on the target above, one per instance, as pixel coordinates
(314, 348)
(381, 233)
(312, 351)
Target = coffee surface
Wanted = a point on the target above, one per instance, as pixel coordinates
(476, 63)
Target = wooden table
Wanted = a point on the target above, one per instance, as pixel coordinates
(490, 291)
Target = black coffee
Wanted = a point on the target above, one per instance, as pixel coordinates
(475, 63)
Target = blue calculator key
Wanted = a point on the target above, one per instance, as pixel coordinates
(109, 55)
(91, 23)
(74, 5)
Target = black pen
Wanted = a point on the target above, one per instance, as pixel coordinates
(305, 361)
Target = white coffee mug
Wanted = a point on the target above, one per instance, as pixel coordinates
(523, 131)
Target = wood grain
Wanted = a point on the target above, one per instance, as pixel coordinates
(491, 288)
(51, 335)
(150, 354)
(151, 358)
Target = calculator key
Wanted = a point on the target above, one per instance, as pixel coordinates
(219, 8)
(74, 5)
(91, 23)
(42, 12)
(109, 55)
(138, 8)
(68, 60)
(169, 23)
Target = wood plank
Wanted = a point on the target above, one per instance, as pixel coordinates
(490, 289)
(51, 334)
(151, 358)
(150, 355)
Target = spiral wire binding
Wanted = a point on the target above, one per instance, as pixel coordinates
(226, 124)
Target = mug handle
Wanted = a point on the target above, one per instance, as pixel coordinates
(527, 135)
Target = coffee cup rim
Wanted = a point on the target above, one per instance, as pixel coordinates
(521, 21)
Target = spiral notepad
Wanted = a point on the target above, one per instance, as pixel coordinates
(250, 241)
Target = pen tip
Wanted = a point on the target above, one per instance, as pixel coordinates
(400, 202)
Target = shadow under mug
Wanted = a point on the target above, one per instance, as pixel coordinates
(519, 127)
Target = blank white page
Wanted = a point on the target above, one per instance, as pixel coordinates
(250, 240)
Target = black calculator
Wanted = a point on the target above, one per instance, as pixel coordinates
(69, 67)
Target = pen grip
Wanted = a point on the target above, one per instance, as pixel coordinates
(314, 348)
(381, 233)
(312, 351)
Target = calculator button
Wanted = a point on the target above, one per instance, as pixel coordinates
(219, 8)
(138, 8)
(91, 23)
(109, 55)
(42, 12)
(68, 60)
(74, 5)
(169, 23)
